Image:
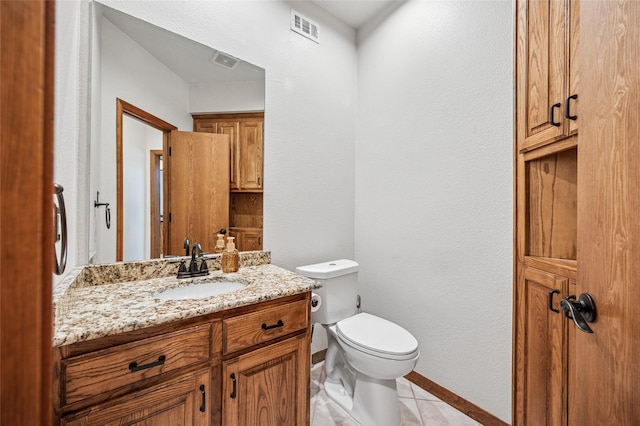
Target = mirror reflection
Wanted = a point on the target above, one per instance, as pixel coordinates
(143, 75)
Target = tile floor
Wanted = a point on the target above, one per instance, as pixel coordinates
(418, 407)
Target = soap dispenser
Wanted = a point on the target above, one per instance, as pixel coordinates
(219, 248)
(230, 257)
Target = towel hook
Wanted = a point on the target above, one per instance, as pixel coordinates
(107, 210)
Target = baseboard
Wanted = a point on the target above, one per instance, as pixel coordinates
(318, 356)
(457, 402)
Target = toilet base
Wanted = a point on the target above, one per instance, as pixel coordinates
(374, 403)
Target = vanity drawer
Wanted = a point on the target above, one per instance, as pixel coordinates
(103, 371)
(246, 330)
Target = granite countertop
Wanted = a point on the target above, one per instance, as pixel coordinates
(86, 307)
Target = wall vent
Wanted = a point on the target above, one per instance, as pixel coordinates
(224, 60)
(305, 26)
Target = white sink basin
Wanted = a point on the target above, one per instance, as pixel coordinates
(200, 290)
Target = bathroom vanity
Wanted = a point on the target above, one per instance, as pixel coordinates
(121, 355)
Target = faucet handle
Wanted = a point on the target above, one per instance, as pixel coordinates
(193, 266)
(203, 266)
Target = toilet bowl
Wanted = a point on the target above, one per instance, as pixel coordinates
(365, 353)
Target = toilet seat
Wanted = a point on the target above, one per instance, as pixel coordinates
(377, 336)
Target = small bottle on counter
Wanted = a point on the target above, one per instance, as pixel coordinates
(219, 248)
(230, 257)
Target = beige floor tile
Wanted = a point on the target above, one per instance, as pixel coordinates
(404, 388)
(409, 412)
(417, 406)
(328, 413)
(436, 413)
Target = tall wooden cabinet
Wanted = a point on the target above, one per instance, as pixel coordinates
(577, 223)
(246, 174)
(546, 206)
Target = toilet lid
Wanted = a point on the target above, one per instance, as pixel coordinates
(377, 336)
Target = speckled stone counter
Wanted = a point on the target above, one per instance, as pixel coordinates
(103, 300)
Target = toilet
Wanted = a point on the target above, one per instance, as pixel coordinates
(366, 353)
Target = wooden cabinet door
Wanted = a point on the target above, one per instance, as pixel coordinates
(26, 223)
(269, 386)
(252, 240)
(605, 371)
(250, 155)
(231, 128)
(247, 239)
(184, 401)
(198, 196)
(541, 349)
(541, 71)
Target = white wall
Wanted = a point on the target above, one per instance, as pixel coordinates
(138, 139)
(434, 188)
(230, 96)
(72, 123)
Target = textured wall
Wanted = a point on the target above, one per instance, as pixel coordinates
(71, 123)
(434, 188)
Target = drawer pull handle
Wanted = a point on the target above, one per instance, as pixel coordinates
(269, 327)
(233, 379)
(135, 367)
(203, 406)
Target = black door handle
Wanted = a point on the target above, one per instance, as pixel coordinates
(203, 407)
(551, 293)
(567, 107)
(233, 380)
(269, 327)
(581, 310)
(552, 119)
(135, 367)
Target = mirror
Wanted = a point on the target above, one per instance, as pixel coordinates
(172, 78)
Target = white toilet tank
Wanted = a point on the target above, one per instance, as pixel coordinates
(339, 279)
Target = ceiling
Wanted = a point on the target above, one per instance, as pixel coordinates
(192, 61)
(355, 13)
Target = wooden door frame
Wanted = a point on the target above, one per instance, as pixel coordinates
(124, 108)
(155, 159)
(26, 225)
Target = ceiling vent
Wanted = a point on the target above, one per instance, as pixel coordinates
(305, 26)
(224, 60)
